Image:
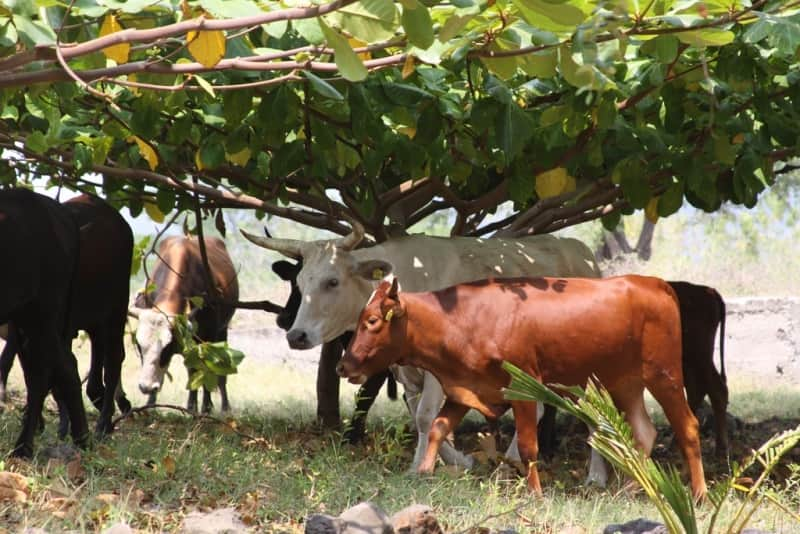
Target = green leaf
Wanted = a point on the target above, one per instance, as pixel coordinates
(310, 30)
(33, 33)
(671, 200)
(550, 17)
(514, 128)
(348, 61)
(611, 220)
(322, 87)
(8, 33)
(664, 48)
(418, 25)
(785, 36)
(36, 142)
(212, 154)
(82, 158)
(368, 20)
(706, 37)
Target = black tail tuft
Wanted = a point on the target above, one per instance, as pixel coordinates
(391, 387)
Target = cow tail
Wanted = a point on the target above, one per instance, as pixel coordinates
(391, 386)
(722, 337)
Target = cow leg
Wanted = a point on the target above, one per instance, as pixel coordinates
(718, 393)
(69, 385)
(208, 405)
(222, 383)
(449, 416)
(547, 432)
(365, 398)
(95, 389)
(670, 396)
(428, 404)
(525, 419)
(328, 385)
(37, 379)
(191, 401)
(7, 360)
(112, 352)
(123, 403)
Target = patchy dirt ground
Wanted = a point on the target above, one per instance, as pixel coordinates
(762, 341)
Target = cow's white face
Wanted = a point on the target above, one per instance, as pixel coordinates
(154, 334)
(334, 287)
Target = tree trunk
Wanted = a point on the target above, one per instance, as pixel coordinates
(644, 246)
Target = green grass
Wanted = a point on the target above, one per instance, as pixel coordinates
(158, 467)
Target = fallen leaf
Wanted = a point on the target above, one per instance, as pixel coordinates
(169, 465)
(13, 481)
(75, 470)
(107, 498)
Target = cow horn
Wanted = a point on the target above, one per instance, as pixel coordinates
(291, 248)
(351, 241)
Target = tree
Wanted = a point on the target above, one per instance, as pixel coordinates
(572, 109)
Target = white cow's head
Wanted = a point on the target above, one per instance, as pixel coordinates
(156, 341)
(333, 283)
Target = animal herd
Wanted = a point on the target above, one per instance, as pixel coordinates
(441, 316)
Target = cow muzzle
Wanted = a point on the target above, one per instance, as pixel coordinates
(353, 378)
(148, 388)
(298, 339)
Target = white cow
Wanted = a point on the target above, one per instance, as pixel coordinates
(337, 279)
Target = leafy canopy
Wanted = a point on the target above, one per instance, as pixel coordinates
(572, 109)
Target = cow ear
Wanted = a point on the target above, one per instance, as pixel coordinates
(373, 269)
(286, 270)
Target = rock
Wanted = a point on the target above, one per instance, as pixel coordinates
(366, 518)
(637, 526)
(119, 528)
(572, 529)
(324, 524)
(416, 519)
(221, 521)
(34, 530)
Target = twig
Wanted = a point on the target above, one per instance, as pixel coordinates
(480, 523)
(201, 416)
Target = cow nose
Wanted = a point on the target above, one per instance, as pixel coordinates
(151, 388)
(298, 339)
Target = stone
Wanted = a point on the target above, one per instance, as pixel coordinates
(324, 524)
(221, 521)
(637, 526)
(119, 528)
(416, 519)
(366, 518)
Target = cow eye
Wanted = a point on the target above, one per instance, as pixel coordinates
(372, 321)
(333, 282)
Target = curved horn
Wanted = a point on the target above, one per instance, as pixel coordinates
(290, 248)
(351, 241)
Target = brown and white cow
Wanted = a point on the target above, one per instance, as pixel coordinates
(626, 331)
(179, 276)
(336, 279)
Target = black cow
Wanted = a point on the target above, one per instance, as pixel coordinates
(99, 306)
(327, 379)
(40, 242)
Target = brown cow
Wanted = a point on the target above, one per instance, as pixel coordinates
(625, 330)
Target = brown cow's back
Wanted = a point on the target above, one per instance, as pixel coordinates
(557, 318)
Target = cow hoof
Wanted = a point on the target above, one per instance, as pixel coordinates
(22, 451)
(354, 436)
(124, 405)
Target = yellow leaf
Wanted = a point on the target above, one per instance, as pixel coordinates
(207, 47)
(118, 52)
(651, 211)
(132, 78)
(198, 161)
(240, 158)
(355, 43)
(409, 131)
(738, 139)
(169, 465)
(553, 182)
(154, 212)
(408, 66)
(147, 152)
